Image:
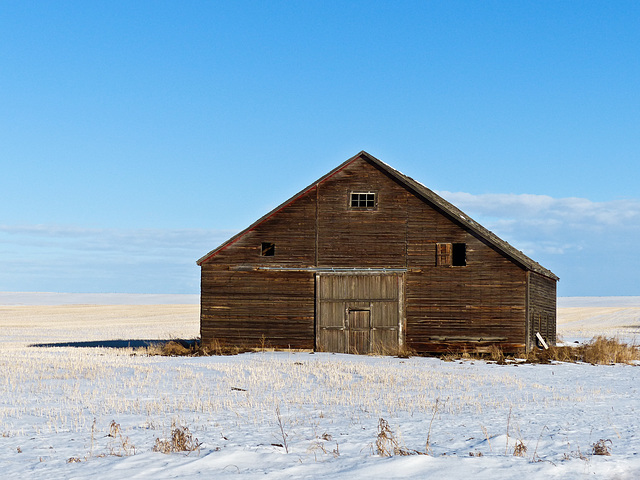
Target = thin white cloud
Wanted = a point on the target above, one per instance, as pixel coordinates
(542, 210)
(72, 259)
(590, 245)
(120, 240)
(540, 224)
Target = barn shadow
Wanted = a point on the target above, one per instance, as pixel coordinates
(134, 343)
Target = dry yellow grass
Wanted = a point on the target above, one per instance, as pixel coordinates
(598, 351)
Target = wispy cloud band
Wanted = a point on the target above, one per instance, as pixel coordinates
(73, 259)
(545, 210)
(590, 245)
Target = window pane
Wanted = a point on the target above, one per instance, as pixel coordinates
(362, 200)
(370, 200)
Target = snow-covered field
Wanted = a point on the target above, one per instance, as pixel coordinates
(297, 414)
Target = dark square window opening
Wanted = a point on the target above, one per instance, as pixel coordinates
(268, 249)
(451, 254)
(362, 200)
(459, 255)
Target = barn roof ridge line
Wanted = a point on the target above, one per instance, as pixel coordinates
(422, 191)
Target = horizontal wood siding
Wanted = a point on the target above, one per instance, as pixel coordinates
(542, 309)
(361, 238)
(460, 308)
(291, 230)
(248, 308)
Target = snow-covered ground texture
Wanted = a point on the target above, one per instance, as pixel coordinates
(96, 412)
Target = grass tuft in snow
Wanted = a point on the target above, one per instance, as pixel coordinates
(180, 440)
(119, 446)
(520, 449)
(601, 447)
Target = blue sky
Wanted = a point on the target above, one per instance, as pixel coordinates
(137, 136)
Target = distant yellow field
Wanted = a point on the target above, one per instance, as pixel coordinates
(25, 325)
(587, 322)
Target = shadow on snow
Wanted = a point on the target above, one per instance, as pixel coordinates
(135, 343)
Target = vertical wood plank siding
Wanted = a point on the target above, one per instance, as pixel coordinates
(542, 309)
(492, 299)
(345, 301)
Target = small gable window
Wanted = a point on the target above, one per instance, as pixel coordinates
(451, 254)
(362, 200)
(268, 249)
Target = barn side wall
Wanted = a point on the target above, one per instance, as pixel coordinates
(542, 309)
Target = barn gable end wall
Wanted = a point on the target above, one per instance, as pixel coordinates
(248, 298)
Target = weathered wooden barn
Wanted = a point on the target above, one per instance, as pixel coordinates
(366, 259)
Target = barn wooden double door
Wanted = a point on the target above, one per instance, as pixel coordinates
(359, 313)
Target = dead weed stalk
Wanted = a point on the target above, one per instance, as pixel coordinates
(120, 446)
(284, 435)
(387, 445)
(435, 411)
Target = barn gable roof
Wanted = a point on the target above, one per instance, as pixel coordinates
(420, 191)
